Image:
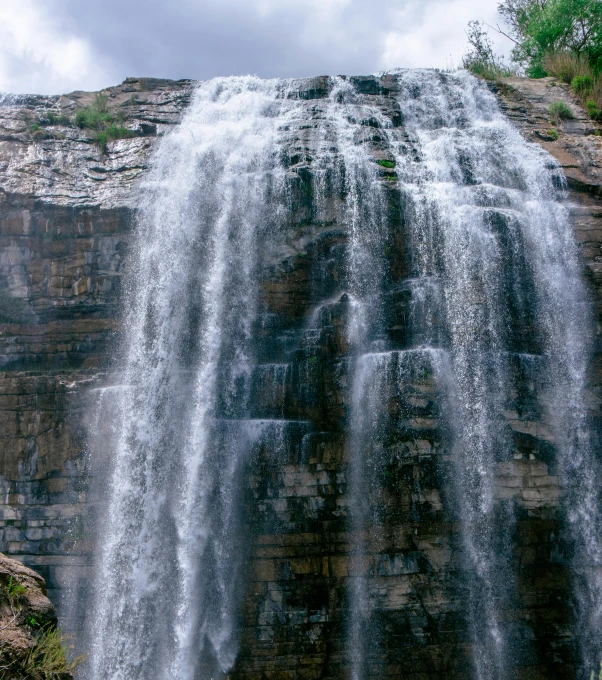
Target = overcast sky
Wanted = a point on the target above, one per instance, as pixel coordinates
(57, 46)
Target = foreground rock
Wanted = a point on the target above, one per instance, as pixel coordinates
(30, 644)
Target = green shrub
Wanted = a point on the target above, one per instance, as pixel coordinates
(560, 111)
(107, 127)
(387, 164)
(553, 134)
(480, 58)
(112, 133)
(96, 116)
(542, 27)
(34, 621)
(91, 118)
(593, 110)
(536, 71)
(582, 84)
(53, 119)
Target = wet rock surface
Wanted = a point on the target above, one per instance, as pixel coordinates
(66, 217)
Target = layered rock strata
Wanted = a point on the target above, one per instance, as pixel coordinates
(66, 215)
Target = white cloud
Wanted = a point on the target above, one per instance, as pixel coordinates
(51, 46)
(38, 54)
(433, 34)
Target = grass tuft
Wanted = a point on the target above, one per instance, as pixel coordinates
(582, 84)
(105, 125)
(47, 660)
(593, 110)
(575, 70)
(566, 66)
(560, 111)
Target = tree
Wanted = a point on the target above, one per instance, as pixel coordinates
(480, 57)
(538, 27)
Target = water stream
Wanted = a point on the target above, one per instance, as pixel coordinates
(459, 260)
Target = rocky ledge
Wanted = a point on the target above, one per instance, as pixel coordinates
(31, 647)
(61, 165)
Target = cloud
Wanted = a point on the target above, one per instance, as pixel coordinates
(433, 33)
(59, 45)
(38, 52)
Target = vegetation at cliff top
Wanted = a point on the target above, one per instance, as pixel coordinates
(104, 124)
(480, 58)
(561, 38)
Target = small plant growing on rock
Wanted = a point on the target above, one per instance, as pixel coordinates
(553, 134)
(33, 621)
(105, 125)
(96, 116)
(560, 111)
(37, 132)
(14, 590)
(582, 84)
(47, 660)
(386, 164)
(56, 119)
(112, 133)
(593, 110)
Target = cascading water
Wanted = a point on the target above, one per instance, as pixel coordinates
(506, 256)
(460, 266)
(169, 568)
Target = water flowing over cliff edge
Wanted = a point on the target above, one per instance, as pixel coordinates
(350, 425)
(486, 287)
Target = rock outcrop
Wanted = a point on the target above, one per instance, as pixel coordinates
(27, 625)
(66, 214)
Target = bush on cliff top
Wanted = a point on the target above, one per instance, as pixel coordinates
(106, 126)
(542, 27)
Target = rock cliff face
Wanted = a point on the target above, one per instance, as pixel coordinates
(66, 215)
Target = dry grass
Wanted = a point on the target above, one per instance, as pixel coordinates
(565, 66)
(576, 71)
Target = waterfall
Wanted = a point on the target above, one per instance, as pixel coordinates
(169, 569)
(460, 268)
